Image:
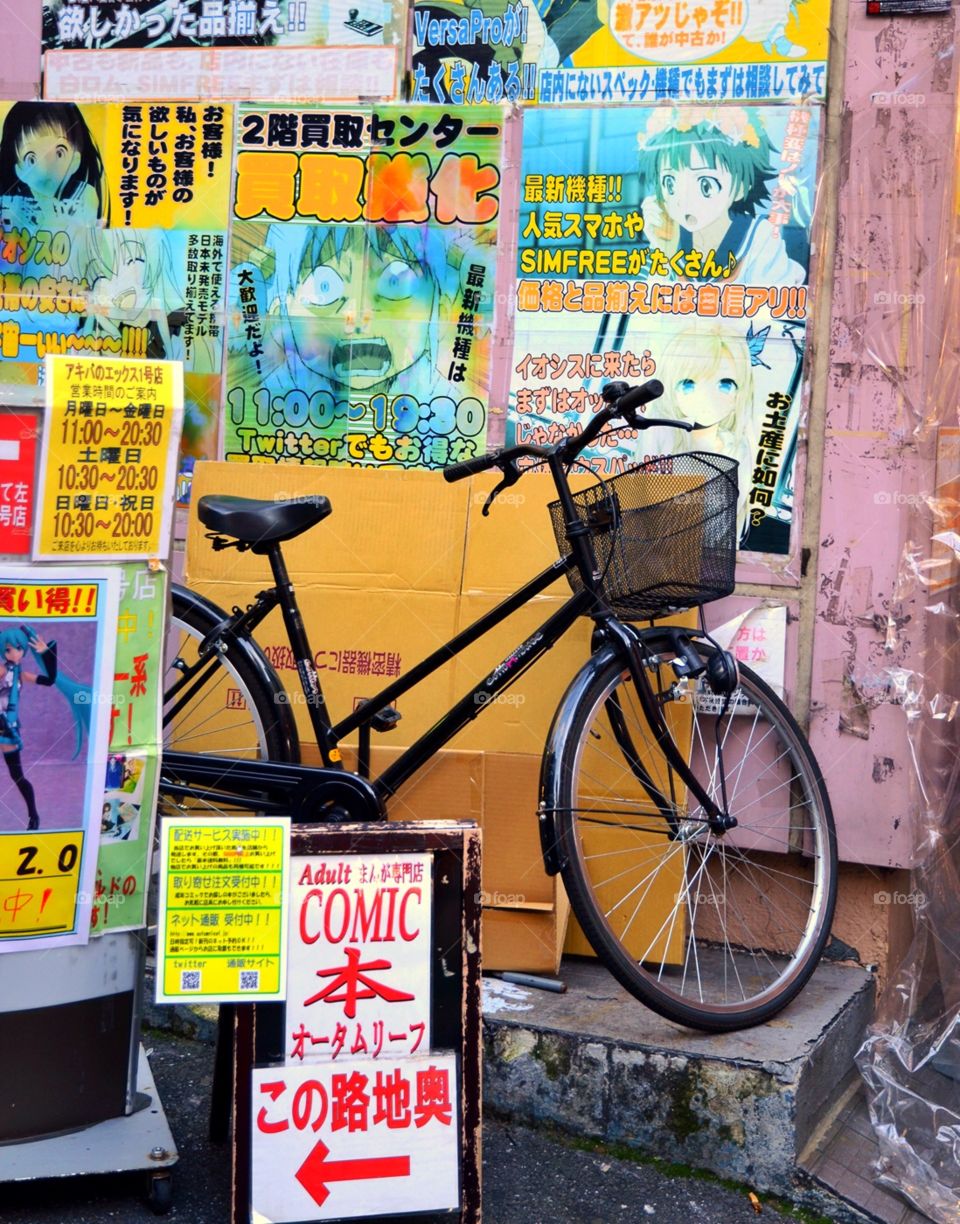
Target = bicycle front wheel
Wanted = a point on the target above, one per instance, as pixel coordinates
(716, 931)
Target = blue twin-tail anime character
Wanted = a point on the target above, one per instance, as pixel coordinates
(14, 647)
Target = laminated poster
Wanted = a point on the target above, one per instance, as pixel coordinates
(58, 629)
(215, 49)
(132, 772)
(113, 224)
(602, 51)
(361, 285)
(670, 242)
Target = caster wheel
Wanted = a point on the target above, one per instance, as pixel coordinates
(160, 1192)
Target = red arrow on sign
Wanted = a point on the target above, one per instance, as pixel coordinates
(316, 1170)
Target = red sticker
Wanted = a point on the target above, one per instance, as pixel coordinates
(18, 451)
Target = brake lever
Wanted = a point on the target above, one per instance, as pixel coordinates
(511, 474)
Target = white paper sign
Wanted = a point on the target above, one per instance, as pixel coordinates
(359, 957)
(758, 638)
(355, 1139)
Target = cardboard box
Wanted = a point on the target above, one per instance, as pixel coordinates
(404, 562)
(380, 584)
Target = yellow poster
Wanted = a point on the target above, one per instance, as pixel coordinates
(40, 877)
(108, 465)
(634, 51)
(223, 920)
(58, 634)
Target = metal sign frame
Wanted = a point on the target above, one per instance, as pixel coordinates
(258, 1030)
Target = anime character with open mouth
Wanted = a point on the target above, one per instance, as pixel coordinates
(358, 307)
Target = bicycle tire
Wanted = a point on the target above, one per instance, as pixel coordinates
(240, 709)
(702, 962)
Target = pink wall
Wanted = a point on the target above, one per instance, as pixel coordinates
(895, 161)
(20, 72)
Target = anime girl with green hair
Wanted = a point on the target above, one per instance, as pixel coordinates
(705, 175)
(15, 643)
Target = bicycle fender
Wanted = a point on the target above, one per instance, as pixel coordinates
(560, 730)
(215, 617)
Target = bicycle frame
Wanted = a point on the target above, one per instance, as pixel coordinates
(302, 782)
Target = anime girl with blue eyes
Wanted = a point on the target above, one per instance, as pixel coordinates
(707, 376)
(705, 175)
(357, 308)
(15, 643)
(50, 167)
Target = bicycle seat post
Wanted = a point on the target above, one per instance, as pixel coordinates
(303, 655)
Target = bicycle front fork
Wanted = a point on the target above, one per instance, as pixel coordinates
(721, 676)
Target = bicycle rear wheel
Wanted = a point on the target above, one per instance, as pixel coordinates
(715, 931)
(222, 698)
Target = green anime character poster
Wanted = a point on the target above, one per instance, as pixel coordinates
(670, 242)
(361, 285)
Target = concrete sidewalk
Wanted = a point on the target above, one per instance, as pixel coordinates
(529, 1177)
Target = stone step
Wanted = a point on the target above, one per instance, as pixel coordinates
(595, 1062)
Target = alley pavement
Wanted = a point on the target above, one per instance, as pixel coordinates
(528, 1177)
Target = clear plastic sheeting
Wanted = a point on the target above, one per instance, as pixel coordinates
(910, 1059)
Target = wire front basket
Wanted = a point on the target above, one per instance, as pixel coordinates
(664, 533)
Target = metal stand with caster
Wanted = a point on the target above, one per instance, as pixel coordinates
(137, 1141)
(83, 1010)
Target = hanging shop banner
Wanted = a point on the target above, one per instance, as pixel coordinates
(670, 242)
(222, 927)
(108, 463)
(360, 956)
(214, 49)
(57, 633)
(361, 285)
(348, 1141)
(593, 51)
(132, 773)
(18, 453)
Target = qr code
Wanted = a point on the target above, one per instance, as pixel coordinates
(250, 979)
(190, 979)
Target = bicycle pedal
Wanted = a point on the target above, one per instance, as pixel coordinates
(385, 719)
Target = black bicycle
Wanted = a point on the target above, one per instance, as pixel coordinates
(679, 799)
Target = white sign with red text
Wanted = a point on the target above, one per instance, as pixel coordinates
(359, 957)
(338, 1141)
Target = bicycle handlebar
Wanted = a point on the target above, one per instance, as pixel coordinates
(621, 401)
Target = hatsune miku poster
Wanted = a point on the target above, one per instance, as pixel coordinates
(57, 649)
(670, 242)
(361, 285)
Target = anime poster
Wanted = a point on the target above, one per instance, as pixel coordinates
(131, 775)
(213, 49)
(105, 24)
(361, 285)
(108, 460)
(113, 226)
(593, 51)
(57, 639)
(671, 243)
